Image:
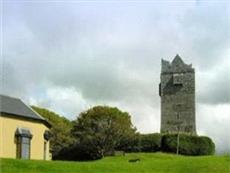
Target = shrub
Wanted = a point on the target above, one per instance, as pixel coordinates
(79, 152)
(150, 142)
(189, 144)
(130, 144)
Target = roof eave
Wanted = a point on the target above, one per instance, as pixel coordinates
(44, 121)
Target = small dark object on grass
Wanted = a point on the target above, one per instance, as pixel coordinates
(134, 160)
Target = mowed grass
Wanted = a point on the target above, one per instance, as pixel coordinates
(149, 163)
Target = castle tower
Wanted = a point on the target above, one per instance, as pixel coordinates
(177, 92)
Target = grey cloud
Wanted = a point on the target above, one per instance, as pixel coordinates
(213, 121)
(206, 29)
(111, 53)
(213, 86)
(89, 44)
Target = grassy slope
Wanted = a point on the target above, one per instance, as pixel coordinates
(157, 163)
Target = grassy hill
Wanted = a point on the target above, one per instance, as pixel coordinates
(149, 163)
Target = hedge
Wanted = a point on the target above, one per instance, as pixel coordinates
(150, 142)
(131, 144)
(188, 144)
(79, 152)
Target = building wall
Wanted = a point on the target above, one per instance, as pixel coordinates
(177, 91)
(7, 138)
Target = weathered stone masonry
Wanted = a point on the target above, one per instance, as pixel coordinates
(177, 91)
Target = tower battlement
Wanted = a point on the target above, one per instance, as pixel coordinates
(176, 66)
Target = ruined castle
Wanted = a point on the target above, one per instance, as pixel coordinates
(177, 92)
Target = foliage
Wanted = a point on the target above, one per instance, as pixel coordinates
(79, 152)
(150, 142)
(149, 163)
(102, 129)
(142, 143)
(189, 144)
(130, 144)
(61, 130)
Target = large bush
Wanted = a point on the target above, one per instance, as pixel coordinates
(188, 144)
(102, 129)
(150, 142)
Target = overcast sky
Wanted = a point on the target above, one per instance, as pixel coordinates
(68, 56)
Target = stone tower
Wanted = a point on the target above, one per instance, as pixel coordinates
(177, 92)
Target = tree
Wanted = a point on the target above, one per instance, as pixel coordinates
(102, 129)
(60, 130)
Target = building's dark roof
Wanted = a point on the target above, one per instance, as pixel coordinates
(15, 107)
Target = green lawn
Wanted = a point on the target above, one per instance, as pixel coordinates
(149, 163)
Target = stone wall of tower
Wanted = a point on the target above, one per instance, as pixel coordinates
(177, 91)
